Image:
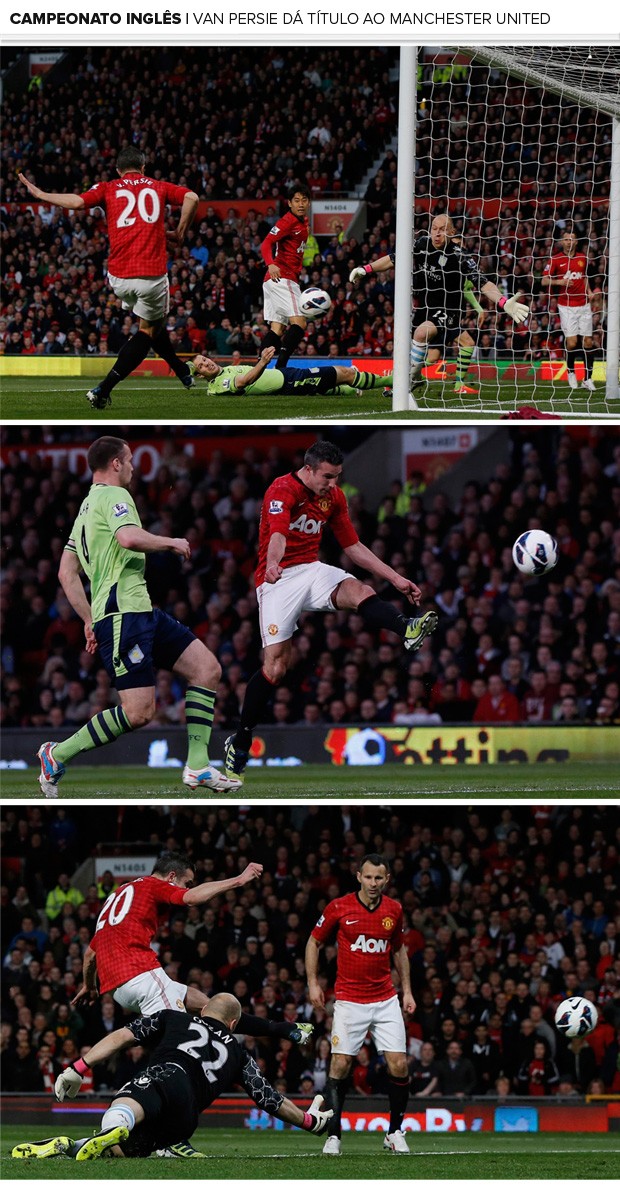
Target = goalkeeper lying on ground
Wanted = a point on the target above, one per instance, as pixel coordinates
(193, 1060)
(290, 381)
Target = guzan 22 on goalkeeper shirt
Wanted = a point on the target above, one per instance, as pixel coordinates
(116, 574)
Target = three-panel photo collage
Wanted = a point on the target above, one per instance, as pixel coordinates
(310, 467)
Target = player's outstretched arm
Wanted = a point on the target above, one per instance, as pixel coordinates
(383, 264)
(270, 1100)
(67, 201)
(250, 377)
(140, 541)
(69, 1081)
(515, 309)
(362, 556)
(314, 1119)
(69, 576)
(206, 891)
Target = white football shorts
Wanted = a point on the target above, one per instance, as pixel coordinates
(353, 1020)
(301, 588)
(281, 300)
(151, 992)
(575, 320)
(146, 296)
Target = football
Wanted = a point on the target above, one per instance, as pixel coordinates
(535, 552)
(576, 1016)
(314, 303)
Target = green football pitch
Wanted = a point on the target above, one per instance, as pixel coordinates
(147, 399)
(290, 1155)
(590, 780)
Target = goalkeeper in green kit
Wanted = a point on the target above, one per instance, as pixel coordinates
(108, 544)
(289, 381)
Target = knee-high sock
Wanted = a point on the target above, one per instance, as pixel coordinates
(417, 357)
(166, 351)
(101, 730)
(334, 1095)
(366, 379)
(289, 343)
(259, 692)
(130, 356)
(571, 357)
(118, 1115)
(271, 339)
(398, 1095)
(462, 363)
(199, 703)
(253, 1025)
(588, 358)
(378, 613)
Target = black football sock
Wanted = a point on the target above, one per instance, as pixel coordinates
(377, 613)
(571, 357)
(271, 339)
(288, 344)
(253, 1025)
(398, 1096)
(134, 351)
(258, 694)
(588, 358)
(166, 351)
(334, 1095)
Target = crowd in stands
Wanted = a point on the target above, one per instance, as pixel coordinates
(237, 130)
(507, 911)
(507, 649)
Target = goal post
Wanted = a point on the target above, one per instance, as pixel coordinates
(516, 144)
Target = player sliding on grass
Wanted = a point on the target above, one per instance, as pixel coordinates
(109, 545)
(135, 209)
(369, 929)
(440, 269)
(289, 381)
(290, 579)
(194, 1060)
(120, 961)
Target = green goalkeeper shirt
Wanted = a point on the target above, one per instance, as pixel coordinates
(269, 382)
(116, 574)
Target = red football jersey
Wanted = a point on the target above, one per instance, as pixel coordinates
(135, 209)
(291, 508)
(366, 939)
(285, 245)
(126, 926)
(575, 267)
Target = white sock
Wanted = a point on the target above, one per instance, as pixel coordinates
(417, 357)
(118, 1115)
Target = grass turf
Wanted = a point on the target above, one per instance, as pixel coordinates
(63, 398)
(590, 780)
(291, 1155)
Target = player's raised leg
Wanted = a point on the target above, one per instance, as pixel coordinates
(202, 671)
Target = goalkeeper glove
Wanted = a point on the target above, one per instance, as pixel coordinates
(358, 273)
(514, 308)
(69, 1082)
(316, 1119)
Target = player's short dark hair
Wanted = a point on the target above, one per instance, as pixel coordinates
(130, 158)
(323, 451)
(375, 860)
(298, 188)
(176, 863)
(103, 451)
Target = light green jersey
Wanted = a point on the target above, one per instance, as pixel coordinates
(269, 382)
(116, 574)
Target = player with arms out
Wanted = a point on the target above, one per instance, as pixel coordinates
(108, 544)
(193, 1061)
(567, 274)
(120, 960)
(369, 930)
(441, 269)
(283, 252)
(290, 579)
(135, 209)
(289, 381)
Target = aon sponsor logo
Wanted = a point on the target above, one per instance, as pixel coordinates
(307, 524)
(370, 945)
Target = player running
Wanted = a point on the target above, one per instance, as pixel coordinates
(194, 1060)
(283, 253)
(369, 930)
(289, 381)
(567, 273)
(120, 960)
(290, 579)
(135, 209)
(441, 268)
(109, 545)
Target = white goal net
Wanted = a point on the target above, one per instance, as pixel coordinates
(516, 145)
